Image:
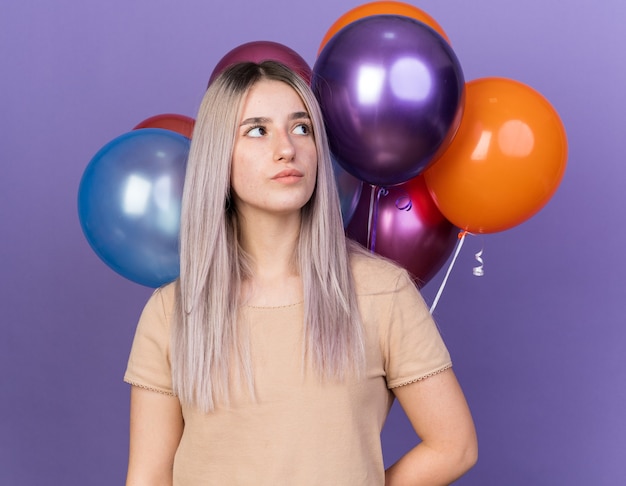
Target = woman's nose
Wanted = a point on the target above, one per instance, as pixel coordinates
(285, 149)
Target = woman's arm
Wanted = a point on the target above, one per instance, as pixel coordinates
(156, 425)
(440, 416)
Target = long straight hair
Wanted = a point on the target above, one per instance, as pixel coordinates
(209, 345)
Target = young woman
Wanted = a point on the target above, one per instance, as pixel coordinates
(275, 357)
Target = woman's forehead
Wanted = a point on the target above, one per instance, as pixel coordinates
(268, 96)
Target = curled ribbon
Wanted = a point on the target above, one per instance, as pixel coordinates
(376, 193)
(477, 271)
(404, 203)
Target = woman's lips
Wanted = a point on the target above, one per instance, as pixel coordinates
(288, 175)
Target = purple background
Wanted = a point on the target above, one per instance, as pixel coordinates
(538, 342)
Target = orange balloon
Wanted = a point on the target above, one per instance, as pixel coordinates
(506, 160)
(177, 123)
(382, 8)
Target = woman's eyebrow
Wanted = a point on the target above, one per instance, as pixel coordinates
(299, 115)
(261, 120)
(255, 120)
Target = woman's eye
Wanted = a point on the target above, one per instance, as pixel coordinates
(256, 132)
(302, 129)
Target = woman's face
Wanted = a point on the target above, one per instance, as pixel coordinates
(274, 163)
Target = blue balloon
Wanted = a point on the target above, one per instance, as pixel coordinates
(349, 189)
(129, 202)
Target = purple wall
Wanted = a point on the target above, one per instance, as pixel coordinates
(538, 342)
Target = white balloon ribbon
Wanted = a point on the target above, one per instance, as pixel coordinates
(477, 271)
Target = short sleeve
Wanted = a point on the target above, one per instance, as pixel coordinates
(149, 363)
(413, 346)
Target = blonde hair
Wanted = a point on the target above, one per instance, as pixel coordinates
(208, 342)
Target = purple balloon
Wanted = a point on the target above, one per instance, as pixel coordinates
(406, 227)
(259, 51)
(391, 90)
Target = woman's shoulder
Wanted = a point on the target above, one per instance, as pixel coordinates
(373, 273)
(164, 298)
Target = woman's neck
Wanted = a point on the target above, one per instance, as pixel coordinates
(271, 245)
